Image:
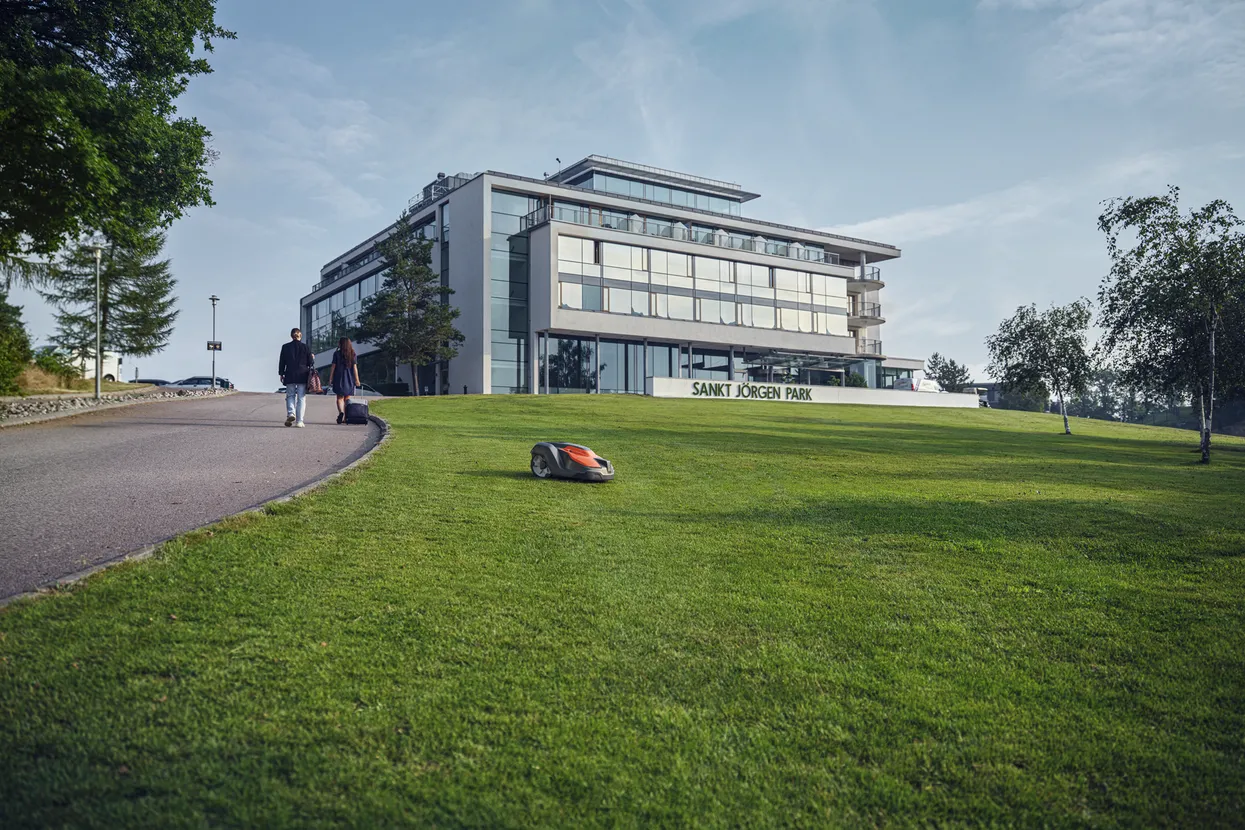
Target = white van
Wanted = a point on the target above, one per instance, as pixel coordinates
(913, 385)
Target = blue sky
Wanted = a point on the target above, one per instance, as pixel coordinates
(979, 137)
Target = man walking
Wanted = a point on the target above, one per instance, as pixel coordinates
(294, 368)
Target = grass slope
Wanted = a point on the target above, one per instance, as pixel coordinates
(776, 615)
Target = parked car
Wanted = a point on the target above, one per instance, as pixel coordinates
(202, 382)
(152, 381)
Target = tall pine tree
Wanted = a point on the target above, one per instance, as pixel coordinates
(136, 298)
(410, 319)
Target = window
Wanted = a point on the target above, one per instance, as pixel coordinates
(681, 308)
(661, 306)
(572, 295)
(593, 297)
(615, 256)
(570, 249)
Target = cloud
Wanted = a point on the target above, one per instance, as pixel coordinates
(1133, 49)
(1023, 202)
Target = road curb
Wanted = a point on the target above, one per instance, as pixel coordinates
(121, 404)
(145, 552)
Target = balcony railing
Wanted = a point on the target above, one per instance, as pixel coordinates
(867, 310)
(871, 273)
(670, 230)
(868, 346)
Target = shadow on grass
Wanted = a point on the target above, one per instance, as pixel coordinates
(1100, 531)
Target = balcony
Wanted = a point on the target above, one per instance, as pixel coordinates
(670, 230)
(868, 277)
(871, 347)
(865, 311)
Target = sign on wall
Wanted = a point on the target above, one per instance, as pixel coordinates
(789, 392)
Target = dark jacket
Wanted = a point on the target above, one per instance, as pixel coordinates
(295, 362)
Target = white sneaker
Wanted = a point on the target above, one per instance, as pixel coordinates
(300, 425)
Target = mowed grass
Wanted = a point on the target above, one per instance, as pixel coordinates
(778, 614)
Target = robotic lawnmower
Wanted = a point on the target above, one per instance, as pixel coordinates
(556, 459)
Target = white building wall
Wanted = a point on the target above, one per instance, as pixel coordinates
(470, 215)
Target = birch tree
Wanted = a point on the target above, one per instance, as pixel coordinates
(1175, 288)
(1032, 349)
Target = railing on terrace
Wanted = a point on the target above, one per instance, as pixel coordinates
(669, 230)
(867, 310)
(868, 346)
(671, 174)
(871, 273)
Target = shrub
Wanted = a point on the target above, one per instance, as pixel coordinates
(14, 346)
(857, 381)
(56, 362)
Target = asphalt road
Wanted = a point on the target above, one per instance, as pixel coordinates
(80, 491)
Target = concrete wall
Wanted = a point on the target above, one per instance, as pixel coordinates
(793, 393)
(470, 220)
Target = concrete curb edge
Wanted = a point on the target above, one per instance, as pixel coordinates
(148, 551)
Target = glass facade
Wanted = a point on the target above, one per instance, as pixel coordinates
(589, 364)
(669, 229)
(508, 279)
(334, 315)
(627, 279)
(634, 189)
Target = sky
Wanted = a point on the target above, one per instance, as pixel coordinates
(979, 136)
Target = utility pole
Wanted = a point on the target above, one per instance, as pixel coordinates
(214, 300)
(99, 357)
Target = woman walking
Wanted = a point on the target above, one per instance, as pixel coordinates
(343, 375)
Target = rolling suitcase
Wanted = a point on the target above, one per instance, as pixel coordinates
(356, 412)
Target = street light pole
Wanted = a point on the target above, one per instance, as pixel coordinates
(99, 358)
(214, 300)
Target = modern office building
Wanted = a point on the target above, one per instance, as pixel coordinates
(607, 272)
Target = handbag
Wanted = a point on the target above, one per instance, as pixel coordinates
(313, 383)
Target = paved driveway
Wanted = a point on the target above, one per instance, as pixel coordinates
(80, 491)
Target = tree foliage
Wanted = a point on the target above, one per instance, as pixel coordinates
(1032, 349)
(90, 136)
(409, 319)
(1173, 304)
(136, 298)
(14, 346)
(951, 376)
(56, 362)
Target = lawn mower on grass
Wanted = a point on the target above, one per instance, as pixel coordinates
(557, 459)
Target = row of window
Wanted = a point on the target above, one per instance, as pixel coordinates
(574, 364)
(642, 303)
(630, 263)
(620, 186)
(669, 229)
(508, 286)
(347, 299)
(427, 230)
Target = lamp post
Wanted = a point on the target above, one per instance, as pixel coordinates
(214, 300)
(99, 358)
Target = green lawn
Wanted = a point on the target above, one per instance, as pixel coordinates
(778, 614)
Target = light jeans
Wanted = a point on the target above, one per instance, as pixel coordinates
(296, 400)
